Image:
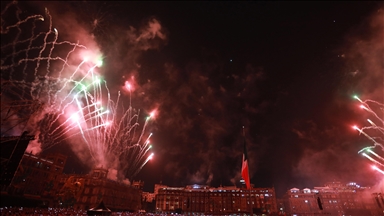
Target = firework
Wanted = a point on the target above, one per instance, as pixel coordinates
(374, 132)
(73, 103)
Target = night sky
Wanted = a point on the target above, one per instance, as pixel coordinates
(286, 71)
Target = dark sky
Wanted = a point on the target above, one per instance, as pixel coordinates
(286, 71)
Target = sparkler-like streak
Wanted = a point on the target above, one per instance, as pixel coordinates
(76, 104)
(376, 129)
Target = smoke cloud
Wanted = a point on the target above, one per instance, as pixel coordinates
(363, 75)
(296, 130)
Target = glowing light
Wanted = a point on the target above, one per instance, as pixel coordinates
(83, 87)
(70, 94)
(363, 107)
(127, 85)
(371, 122)
(376, 134)
(97, 80)
(99, 63)
(75, 117)
(378, 169)
(356, 97)
(152, 114)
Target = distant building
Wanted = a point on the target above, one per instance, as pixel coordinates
(379, 201)
(200, 199)
(138, 184)
(87, 191)
(148, 202)
(148, 197)
(36, 179)
(157, 187)
(302, 202)
(281, 206)
(12, 150)
(334, 198)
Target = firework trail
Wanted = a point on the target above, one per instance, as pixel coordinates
(73, 103)
(376, 133)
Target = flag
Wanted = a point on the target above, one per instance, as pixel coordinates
(245, 169)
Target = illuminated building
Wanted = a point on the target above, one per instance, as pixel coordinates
(157, 187)
(148, 202)
(148, 197)
(36, 178)
(301, 202)
(88, 191)
(138, 184)
(379, 201)
(198, 199)
(332, 199)
(280, 206)
(12, 150)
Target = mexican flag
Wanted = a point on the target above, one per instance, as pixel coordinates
(245, 169)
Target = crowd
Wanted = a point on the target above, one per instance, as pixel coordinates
(15, 211)
(21, 211)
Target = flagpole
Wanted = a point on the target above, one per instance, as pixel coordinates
(250, 187)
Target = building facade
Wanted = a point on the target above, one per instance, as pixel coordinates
(36, 178)
(12, 151)
(88, 191)
(332, 199)
(200, 199)
(379, 201)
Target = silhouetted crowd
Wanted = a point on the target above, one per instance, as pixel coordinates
(21, 211)
(41, 211)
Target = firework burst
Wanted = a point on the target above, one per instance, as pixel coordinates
(374, 132)
(54, 88)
